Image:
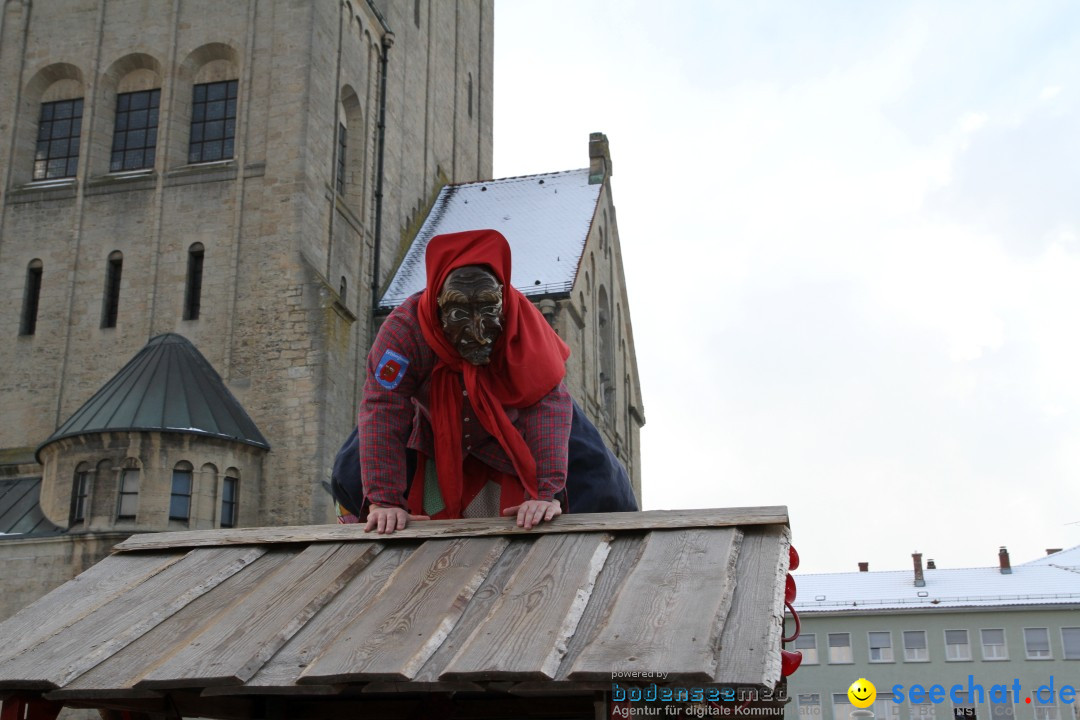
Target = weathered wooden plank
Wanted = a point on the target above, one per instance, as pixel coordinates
(411, 617)
(668, 613)
(526, 633)
(750, 641)
(230, 650)
(117, 676)
(473, 527)
(485, 598)
(625, 552)
(279, 674)
(104, 632)
(77, 598)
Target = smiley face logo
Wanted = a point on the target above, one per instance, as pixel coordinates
(862, 693)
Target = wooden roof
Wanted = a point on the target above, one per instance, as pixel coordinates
(211, 623)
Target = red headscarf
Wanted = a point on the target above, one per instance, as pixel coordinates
(528, 361)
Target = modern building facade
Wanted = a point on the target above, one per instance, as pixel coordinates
(995, 635)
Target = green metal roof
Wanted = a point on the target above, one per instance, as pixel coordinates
(20, 512)
(167, 387)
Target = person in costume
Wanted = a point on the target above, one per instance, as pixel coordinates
(468, 375)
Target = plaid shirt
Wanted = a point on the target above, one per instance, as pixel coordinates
(392, 419)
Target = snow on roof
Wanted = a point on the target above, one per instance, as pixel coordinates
(1040, 582)
(545, 218)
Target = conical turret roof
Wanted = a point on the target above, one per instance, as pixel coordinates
(167, 387)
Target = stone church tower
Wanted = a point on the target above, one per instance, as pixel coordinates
(241, 177)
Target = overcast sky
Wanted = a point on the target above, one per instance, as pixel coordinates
(850, 232)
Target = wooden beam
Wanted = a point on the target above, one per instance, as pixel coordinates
(473, 527)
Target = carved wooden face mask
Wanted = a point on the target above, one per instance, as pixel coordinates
(470, 307)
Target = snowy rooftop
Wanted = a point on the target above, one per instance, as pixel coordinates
(545, 218)
(1051, 580)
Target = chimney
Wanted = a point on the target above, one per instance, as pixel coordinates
(1003, 560)
(931, 565)
(864, 567)
(599, 158)
(1051, 551)
(917, 559)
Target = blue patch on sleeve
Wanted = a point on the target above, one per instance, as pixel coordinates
(391, 369)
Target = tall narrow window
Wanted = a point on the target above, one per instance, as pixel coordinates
(213, 122)
(229, 501)
(341, 159)
(31, 297)
(806, 643)
(79, 490)
(193, 288)
(915, 649)
(135, 132)
(957, 646)
(343, 288)
(470, 94)
(57, 151)
(1037, 643)
(128, 503)
(111, 306)
(840, 649)
(1070, 641)
(416, 12)
(180, 498)
(993, 644)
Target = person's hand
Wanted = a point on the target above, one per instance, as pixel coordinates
(534, 512)
(388, 519)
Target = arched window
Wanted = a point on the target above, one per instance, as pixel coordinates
(193, 287)
(127, 505)
(111, 306)
(80, 489)
(31, 296)
(180, 498)
(57, 151)
(230, 498)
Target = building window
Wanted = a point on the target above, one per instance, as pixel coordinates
(416, 12)
(180, 499)
(1046, 712)
(57, 152)
(193, 288)
(1037, 643)
(213, 122)
(341, 144)
(128, 503)
(809, 705)
(840, 648)
(31, 297)
(993, 644)
(842, 706)
(923, 710)
(886, 709)
(962, 705)
(229, 501)
(111, 306)
(1070, 641)
(80, 489)
(881, 647)
(957, 646)
(806, 643)
(470, 94)
(135, 133)
(915, 646)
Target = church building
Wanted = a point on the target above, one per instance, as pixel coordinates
(205, 207)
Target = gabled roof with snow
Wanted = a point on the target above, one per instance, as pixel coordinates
(1052, 580)
(545, 218)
